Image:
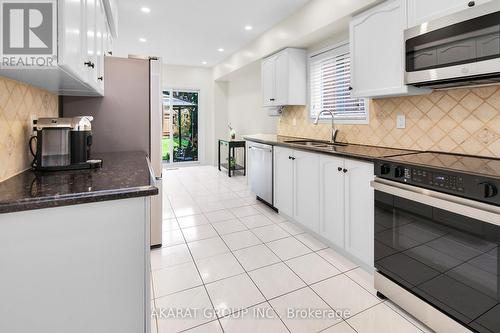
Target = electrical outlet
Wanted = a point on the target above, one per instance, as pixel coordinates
(400, 121)
(31, 125)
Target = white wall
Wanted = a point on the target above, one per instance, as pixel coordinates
(221, 113)
(317, 20)
(197, 78)
(244, 103)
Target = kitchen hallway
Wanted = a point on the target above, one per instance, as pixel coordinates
(230, 264)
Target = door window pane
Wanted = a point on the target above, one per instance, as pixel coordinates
(181, 126)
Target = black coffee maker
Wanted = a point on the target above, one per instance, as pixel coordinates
(63, 144)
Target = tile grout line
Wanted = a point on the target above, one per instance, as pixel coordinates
(282, 261)
(256, 286)
(306, 284)
(204, 287)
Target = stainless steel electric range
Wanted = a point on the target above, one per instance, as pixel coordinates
(437, 236)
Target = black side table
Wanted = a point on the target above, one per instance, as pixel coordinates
(232, 144)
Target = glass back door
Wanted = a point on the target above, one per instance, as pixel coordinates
(180, 123)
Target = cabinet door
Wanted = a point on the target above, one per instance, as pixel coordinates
(268, 82)
(377, 50)
(71, 37)
(283, 180)
(331, 199)
(91, 44)
(306, 189)
(420, 11)
(100, 42)
(108, 45)
(281, 70)
(359, 211)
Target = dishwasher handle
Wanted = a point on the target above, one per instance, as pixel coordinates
(259, 148)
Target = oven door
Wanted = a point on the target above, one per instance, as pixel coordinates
(443, 249)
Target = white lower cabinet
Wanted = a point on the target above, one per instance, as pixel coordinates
(359, 210)
(331, 209)
(346, 205)
(328, 195)
(283, 180)
(296, 181)
(306, 194)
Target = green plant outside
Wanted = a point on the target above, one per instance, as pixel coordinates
(166, 146)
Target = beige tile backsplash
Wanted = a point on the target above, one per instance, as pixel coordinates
(459, 120)
(18, 103)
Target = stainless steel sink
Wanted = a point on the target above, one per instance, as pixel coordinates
(316, 143)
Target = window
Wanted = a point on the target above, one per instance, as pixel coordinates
(329, 81)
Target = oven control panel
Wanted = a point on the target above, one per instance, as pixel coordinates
(464, 185)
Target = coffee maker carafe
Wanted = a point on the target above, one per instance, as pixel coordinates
(63, 144)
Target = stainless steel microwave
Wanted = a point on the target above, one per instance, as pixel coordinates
(462, 49)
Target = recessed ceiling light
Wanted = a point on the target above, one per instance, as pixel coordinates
(204, 62)
(143, 40)
(248, 27)
(220, 49)
(146, 10)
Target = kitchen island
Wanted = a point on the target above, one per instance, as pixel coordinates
(74, 248)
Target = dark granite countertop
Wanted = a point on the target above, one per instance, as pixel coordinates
(123, 175)
(362, 152)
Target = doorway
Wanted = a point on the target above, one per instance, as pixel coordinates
(180, 126)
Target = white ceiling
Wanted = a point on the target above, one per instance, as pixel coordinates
(187, 32)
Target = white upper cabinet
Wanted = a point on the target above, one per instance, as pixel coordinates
(91, 42)
(82, 40)
(268, 82)
(420, 11)
(72, 37)
(284, 77)
(377, 51)
(100, 45)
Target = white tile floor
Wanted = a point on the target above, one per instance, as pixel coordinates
(231, 264)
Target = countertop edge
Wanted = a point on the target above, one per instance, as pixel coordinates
(78, 198)
(310, 149)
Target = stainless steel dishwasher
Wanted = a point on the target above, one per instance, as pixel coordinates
(260, 171)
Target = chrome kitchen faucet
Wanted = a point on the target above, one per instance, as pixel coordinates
(334, 130)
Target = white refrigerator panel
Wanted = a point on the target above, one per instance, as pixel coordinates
(156, 129)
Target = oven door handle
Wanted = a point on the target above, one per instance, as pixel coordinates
(458, 205)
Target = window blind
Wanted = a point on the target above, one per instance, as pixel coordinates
(330, 78)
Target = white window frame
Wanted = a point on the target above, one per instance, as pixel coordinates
(335, 49)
